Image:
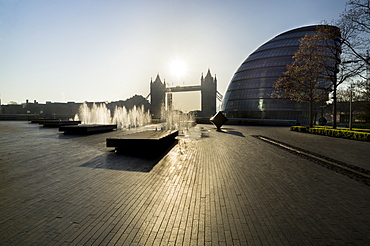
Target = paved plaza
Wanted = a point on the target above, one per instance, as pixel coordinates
(212, 188)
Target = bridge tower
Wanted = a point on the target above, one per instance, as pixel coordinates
(157, 97)
(208, 89)
(208, 95)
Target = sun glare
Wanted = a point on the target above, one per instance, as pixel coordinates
(178, 69)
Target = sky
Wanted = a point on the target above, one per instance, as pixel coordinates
(110, 50)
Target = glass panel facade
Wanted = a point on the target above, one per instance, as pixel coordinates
(248, 93)
(261, 63)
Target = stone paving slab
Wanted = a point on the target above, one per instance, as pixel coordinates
(212, 188)
(349, 151)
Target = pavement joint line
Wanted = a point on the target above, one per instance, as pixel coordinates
(313, 156)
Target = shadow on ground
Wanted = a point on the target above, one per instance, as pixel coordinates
(231, 131)
(142, 161)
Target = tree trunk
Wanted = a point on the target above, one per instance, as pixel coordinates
(335, 106)
(311, 114)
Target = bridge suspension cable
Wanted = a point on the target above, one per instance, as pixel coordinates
(219, 96)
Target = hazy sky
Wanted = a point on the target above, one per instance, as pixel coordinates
(107, 50)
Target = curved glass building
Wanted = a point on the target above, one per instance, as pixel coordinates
(247, 95)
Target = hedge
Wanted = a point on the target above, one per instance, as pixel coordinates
(339, 133)
(361, 130)
(345, 128)
(299, 128)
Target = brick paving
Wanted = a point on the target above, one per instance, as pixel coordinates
(212, 188)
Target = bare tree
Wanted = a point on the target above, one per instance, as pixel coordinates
(306, 79)
(364, 92)
(357, 17)
(354, 40)
(359, 94)
(344, 63)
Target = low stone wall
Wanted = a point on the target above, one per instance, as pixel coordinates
(32, 117)
(252, 122)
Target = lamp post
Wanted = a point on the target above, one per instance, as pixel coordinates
(367, 60)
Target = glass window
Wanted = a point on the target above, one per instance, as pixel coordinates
(248, 92)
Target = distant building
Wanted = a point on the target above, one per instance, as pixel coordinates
(247, 95)
(66, 110)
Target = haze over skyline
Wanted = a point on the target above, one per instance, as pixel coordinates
(91, 50)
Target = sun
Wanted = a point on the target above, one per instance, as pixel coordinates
(178, 68)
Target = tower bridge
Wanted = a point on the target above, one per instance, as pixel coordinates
(208, 88)
(184, 88)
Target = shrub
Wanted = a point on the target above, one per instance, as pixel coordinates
(299, 128)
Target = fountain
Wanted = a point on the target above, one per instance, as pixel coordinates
(177, 120)
(98, 118)
(152, 143)
(123, 118)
